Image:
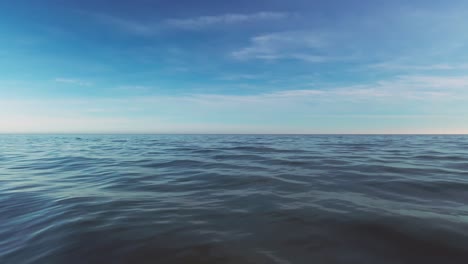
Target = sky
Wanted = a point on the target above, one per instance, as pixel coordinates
(245, 66)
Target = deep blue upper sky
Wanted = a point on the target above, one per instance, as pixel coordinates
(234, 66)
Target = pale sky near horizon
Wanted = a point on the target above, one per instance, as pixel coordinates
(257, 66)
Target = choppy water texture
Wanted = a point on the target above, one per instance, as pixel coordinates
(233, 199)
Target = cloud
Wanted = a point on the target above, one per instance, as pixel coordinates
(237, 77)
(193, 23)
(404, 87)
(225, 19)
(443, 83)
(421, 67)
(127, 25)
(428, 102)
(298, 45)
(73, 81)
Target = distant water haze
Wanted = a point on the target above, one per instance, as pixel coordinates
(233, 199)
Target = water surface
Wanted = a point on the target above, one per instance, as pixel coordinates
(233, 199)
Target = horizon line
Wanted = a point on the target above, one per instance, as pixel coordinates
(266, 134)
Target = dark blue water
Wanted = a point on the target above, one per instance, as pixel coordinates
(233, 199)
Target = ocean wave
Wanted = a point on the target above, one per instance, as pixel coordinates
(233, 199)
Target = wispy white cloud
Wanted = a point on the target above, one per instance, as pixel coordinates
(421, 98)
(192, 23)
(443, 83)
(299, 45)
(237, 77)
(420, 67)
(405, 87)
(128, 25)
(73, 81)
(225, 19)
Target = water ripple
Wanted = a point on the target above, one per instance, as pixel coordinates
(233, 199)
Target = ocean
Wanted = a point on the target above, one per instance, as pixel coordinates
(233, 199)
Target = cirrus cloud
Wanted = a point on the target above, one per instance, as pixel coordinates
(73, 81)
(188, 23)
(298, 45)
(225, 19)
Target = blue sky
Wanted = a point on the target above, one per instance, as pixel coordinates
(233, 66)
